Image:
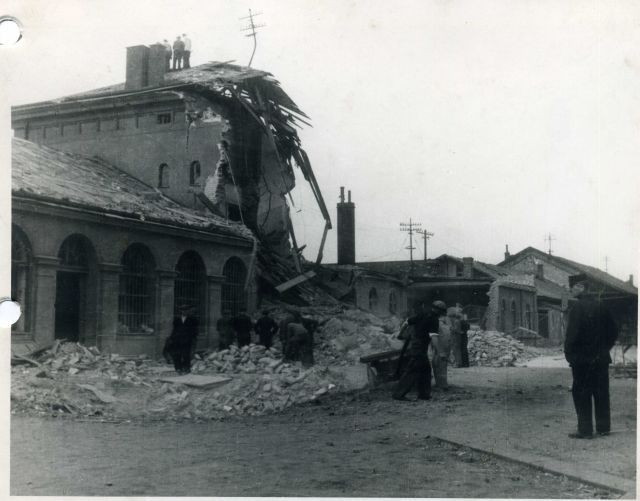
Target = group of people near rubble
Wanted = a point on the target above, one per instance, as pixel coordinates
(296, 335)
(440, 330)
(180, 52)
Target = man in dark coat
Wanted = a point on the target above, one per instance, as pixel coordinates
(591, 334)
(178, 53)
(182, 339)
(266, 328)
(417, 371)
(225, 330)
(243, 325)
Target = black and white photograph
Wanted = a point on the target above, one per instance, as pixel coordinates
(295, 248)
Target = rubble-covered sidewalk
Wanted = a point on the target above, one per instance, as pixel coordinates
(77, 381)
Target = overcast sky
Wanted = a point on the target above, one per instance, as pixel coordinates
(491, 123)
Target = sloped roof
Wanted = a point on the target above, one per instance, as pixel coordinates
(70, 179)
(575, 268)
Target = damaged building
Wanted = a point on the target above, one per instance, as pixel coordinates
(210, 150)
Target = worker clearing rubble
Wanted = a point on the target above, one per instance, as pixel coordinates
(298, 344)
(417, 371)
(266, 328)
(243, 325)
(441, 345)
(224, 326)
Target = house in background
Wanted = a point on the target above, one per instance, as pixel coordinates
(620, 296)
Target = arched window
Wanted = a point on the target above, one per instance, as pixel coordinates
(194, 173)
(527, 316)
(190, 283)
(503, 316)
(74, 253)
(163, 176)
(393, 302)
(373, 298)
(20, 276)
(233, 291)
(137, 287)
(514, 315)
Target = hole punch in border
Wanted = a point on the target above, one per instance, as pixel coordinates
(10, 31)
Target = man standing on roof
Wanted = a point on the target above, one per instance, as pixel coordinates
(417, 372)
(178, 53)
(187, 50)
(591, 334)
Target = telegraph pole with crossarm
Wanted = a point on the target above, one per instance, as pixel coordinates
(426, 235)
(411, 227)
(252, 27)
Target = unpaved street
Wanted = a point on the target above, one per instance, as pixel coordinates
(350, 445)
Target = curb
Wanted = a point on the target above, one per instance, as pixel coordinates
(628, 489)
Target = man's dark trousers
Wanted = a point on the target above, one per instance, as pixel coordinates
(418, 374)
(591, 381)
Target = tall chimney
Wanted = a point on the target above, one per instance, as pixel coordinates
(630, 282)
(346, 230)
(137, 67)
(157, 65)
(507, 255)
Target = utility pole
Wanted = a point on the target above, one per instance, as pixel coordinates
(252, 27)
(425, 236)
(410, 227)
(606, 264)
(549, 238)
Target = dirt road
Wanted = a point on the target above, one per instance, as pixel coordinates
(352, 445)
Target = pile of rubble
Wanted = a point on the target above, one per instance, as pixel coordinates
(496, 349)
(72, 379)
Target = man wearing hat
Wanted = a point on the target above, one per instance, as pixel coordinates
(417, 372)
(182, 338)
(266, 328)
(591, 334)
(243, 325)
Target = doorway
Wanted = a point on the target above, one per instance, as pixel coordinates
(68, 305)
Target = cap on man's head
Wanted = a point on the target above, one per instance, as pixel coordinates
(439, 305)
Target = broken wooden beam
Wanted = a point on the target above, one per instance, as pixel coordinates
(295, 281)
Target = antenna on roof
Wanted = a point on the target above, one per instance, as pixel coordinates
(252, 27)
(549, 238)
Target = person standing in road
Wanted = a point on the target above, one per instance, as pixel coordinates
(266, 328)
(187, 50)
(417, 371)
(243, 326)
(464, 340)
(182, 339)
(225, 330)
(441, 345)
(178, 53)
(591, 334)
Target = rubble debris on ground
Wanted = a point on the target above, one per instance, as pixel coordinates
(496, 349)
(72, 379)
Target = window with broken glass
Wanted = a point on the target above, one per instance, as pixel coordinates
(137, 285)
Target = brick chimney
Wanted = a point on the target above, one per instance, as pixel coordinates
(630, 281)
(467, 267)
(540, 270)
(346, 230)
(507, 254)
(146, 66)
